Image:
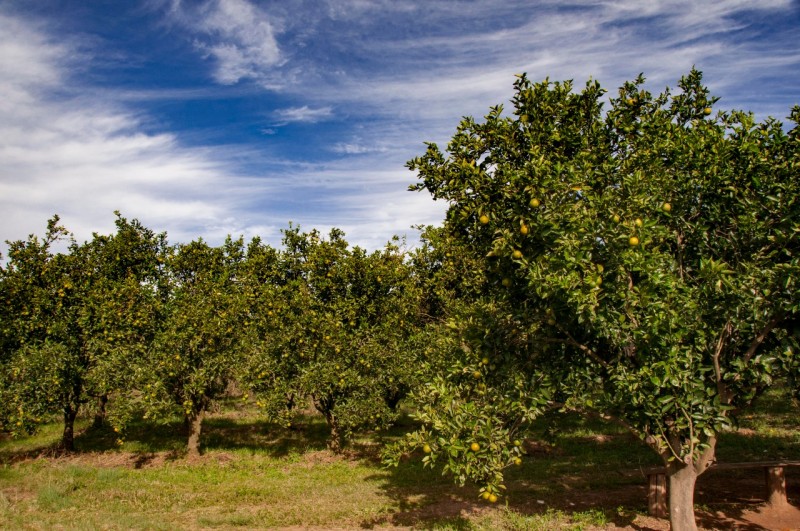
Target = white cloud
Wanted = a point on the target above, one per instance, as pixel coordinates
(610, 41)
(238, 35)
(83, 157)
(357, 148)
(303, 114)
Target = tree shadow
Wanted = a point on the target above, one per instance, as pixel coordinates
(589, 469)
(586, 468)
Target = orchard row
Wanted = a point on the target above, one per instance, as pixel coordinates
(129, 326)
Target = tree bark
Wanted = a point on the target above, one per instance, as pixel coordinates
(100, 414)
(335, 439)
(68, 437)
(195, 423)
(681, 478)
(681, 497)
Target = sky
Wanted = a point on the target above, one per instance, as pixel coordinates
(206, 118)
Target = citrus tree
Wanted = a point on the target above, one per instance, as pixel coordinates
(344, 319)
(78, 317)
(121, 309)
(38, 311)
(647, 255)
(198, 346)
(476, 397)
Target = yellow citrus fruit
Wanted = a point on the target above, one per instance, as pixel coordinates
(517, 254)
(474, 447)
(492, 498)
(523, 229)
(638, 222)
(633, 241)
(426, 449)
(666, 207)
(484, 219)
(535, 203)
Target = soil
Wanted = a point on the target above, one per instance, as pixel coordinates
(724, 500)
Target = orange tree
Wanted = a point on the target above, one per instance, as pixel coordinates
(646, 254)
(345, 320)
(475, 401)
(121, 309)
(78, 316)
(198, 346)
(35, 283)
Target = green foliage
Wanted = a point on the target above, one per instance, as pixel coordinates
(343, 325)
(474, 415)
(199, 345)
(75, 320)
(649, 251)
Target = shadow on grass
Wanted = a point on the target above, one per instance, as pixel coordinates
(218, 434)
(577, 469)
(590, 470)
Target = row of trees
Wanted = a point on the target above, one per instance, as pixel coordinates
(637, 263)
(129, 326)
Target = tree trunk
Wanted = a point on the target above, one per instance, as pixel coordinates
(681, 497)
(682, 478)
(195, 423)
(68, 437)
(335, 440)
(100, 414)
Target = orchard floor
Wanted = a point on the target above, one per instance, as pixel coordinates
(578, 474)
(725, 500)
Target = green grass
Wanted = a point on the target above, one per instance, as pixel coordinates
(257, 475)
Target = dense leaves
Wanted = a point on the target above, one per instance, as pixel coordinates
(650, 251)
(344, 321)
(74, 321)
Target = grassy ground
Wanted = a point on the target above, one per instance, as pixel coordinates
(255, 475)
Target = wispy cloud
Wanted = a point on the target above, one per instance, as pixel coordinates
(303, 114)
(82, 157)
(357, 148)
(379, 76)
(236, 34)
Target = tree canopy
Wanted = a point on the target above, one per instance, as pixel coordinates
(646, 254)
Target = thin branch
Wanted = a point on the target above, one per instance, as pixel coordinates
(721, 387)
(691, 434)
(581, 346)
(761, 337)
(669, 444)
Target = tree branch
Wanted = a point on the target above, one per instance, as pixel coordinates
(722, 389)
(761, 337)
(707, 457)
(571, 341)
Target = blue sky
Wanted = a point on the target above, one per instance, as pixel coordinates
(213, 117)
